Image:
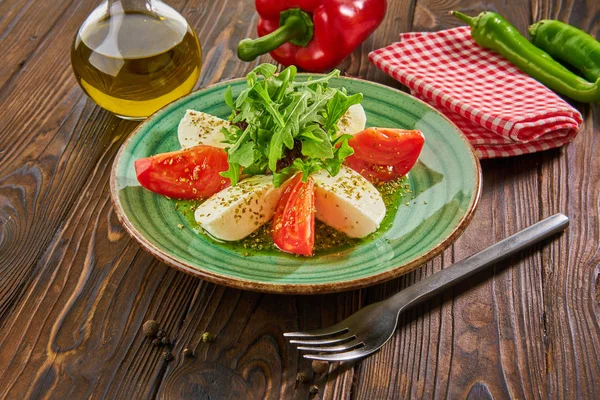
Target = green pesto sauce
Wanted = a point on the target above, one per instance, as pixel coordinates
(328, 240)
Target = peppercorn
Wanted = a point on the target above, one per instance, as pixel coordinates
(167, 356)
(320, 366)
(156, 342)
(161, 333)
(187, 352)
(150, 328)
(165, 340)
(301, 377)
(207, 337)
(314, 389)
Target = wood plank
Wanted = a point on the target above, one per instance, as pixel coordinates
(572, 270)
(38, 194)
(25, 26)
(572, 317)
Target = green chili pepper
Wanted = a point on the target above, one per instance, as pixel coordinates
(569, 44)
(493, 32)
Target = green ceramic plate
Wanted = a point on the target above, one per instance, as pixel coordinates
(445, 186)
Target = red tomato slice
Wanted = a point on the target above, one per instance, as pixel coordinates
(374, 173)
(185, 174)
(383, 154)
(293, 228)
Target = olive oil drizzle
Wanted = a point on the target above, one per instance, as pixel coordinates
(328, 240)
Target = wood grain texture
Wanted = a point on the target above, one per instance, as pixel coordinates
(570, 271)
(75, 290)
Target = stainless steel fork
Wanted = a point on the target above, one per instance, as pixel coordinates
(365, 331)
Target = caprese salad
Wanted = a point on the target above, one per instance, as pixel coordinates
(290, 152)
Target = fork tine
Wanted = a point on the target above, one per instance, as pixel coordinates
(332, 349)
(329, 331)
(348, 355)
(322, 341)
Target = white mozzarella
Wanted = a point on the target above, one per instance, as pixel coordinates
(197, 127)
(348, 202)
(353, 121)
(237, 211)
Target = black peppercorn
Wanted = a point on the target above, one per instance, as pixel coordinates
(301, 377)
(150, 328)
(320, 366)
(167, 356)
(165, 341)
(156, 342)
(187, 352)
(161, 333)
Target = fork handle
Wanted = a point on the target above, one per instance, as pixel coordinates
(463, 269)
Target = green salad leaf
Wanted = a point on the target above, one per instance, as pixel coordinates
(281, 126)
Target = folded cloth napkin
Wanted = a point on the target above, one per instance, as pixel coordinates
(502, 111)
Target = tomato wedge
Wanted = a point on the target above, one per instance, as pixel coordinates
(293, 228)
(185, 174)
(383, 154)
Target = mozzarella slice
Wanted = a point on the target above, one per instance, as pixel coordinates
(348, 202)
(237, 211)
(353, 121)
(197, 127)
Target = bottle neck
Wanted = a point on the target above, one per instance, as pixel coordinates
(122, 6)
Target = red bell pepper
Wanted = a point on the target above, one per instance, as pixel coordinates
(314, 35)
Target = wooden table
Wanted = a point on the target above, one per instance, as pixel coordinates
(75, 289)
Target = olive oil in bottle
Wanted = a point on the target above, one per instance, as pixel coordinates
(133, 57)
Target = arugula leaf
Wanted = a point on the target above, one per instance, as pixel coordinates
(316, 144)
(241, 99)
(251, 78)
(307, 133)
(248, 112)
(283, 175)
(307, 168)
(266, 70)
(333, 74)
(244, 156)
(268, 103)
(232, 134)
(229, 97)
(241, 154)
(275, 113)
(337, 107)
(340, 139)
(285, 135)
(259, 167)
(282, 82)
(233, 173)
(313, 112)
(334, 165)
(299, 165)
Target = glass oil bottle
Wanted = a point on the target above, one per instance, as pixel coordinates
(132, 57)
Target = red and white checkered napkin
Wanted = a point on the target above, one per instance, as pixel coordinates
(502, 111)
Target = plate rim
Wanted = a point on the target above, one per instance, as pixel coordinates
(295, 288)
